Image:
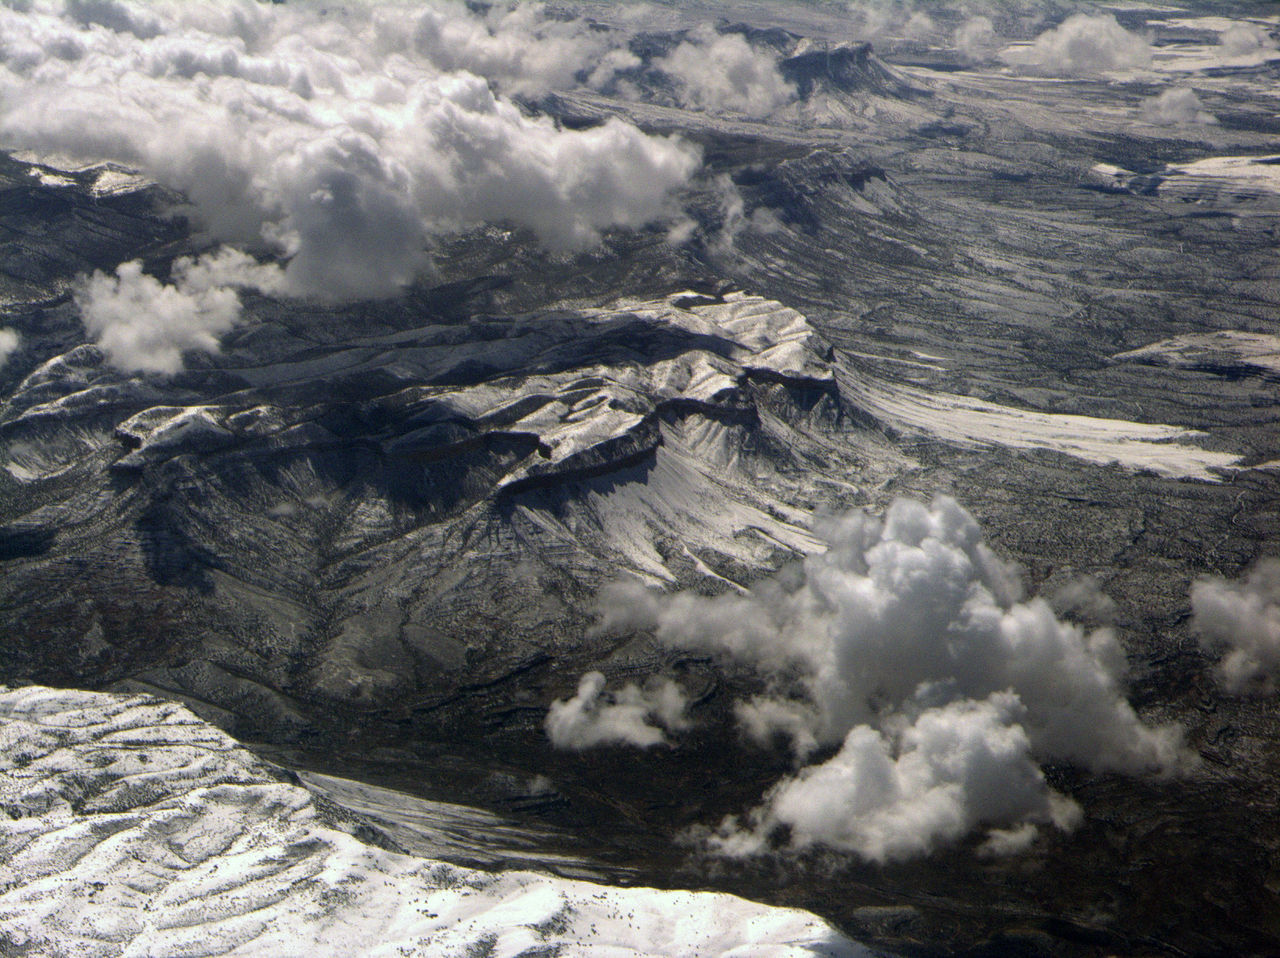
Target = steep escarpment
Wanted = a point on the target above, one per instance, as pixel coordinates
(318, 515)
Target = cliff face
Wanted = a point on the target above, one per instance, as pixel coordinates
(848, 68)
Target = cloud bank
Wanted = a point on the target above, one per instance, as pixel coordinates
(905, 627)
(1082, 45)
(524, 48)
(1245, 618)
(344, 140)
(630, 716)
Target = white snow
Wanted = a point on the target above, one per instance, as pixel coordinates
(133, 828)
(1192, 57)
(574, 411)
(51, 179)
(1260, 351)
(115, 179)
(443, 829)
(169, 429)
(1162, 449)
(1254, 172)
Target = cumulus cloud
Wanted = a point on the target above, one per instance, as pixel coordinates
(723, 72)
(1245, 618)
(9, 340)
(1174, 106)
(1083, 598)
(889, 796)
(976, 40)
(903, 625)
(631, 716)
(1245, 39)
(114, 16)
(912, 600)
(919, 26)
(878, 21)
(1082, 45)
(145, 325)
(346, 139)
(522, 47)
(874, 21)
(733, 219)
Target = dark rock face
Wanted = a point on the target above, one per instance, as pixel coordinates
(307, 507)
(845, 67)
(111, 215)
(370, 537)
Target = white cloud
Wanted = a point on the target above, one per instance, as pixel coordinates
(630, 716)
(1174, 106)
(1083, 597)
(519, 46)
(9, 341)
(888, 20)
(337, 138)
(1244, 617)
(1245, 39)
(912, 600)
(872, 21)
(144, 325)
(889, 796)
(919, 26)
(723, 72)
(975, 39)
(1082, 45)
(113, 15)
(904, 624)
(733, 218)
(1002, 842)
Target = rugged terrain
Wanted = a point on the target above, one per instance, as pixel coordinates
(367, 539)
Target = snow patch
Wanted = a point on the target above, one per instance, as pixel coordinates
(132, 827)
(1162, 449)
(1223, 350)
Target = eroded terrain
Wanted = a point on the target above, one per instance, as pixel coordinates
(368, 538)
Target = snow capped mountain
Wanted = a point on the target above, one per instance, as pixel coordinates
(824, 453)
(131, 827)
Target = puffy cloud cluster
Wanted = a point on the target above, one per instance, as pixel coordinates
(897, 794)
(345, 138)
(630, 716)
(732, 218)
(905, 626)
(877, 20)
(145, 325)
(1176, 105)
(1245, 618)
(9, 340)
(976, 40)
(1082, 45)
(1083, 598)
(524, 48)
(723, 72)
(1245, 40)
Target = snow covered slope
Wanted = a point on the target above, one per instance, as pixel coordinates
(1227, 352)
(1165, 450)
(133, 828)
